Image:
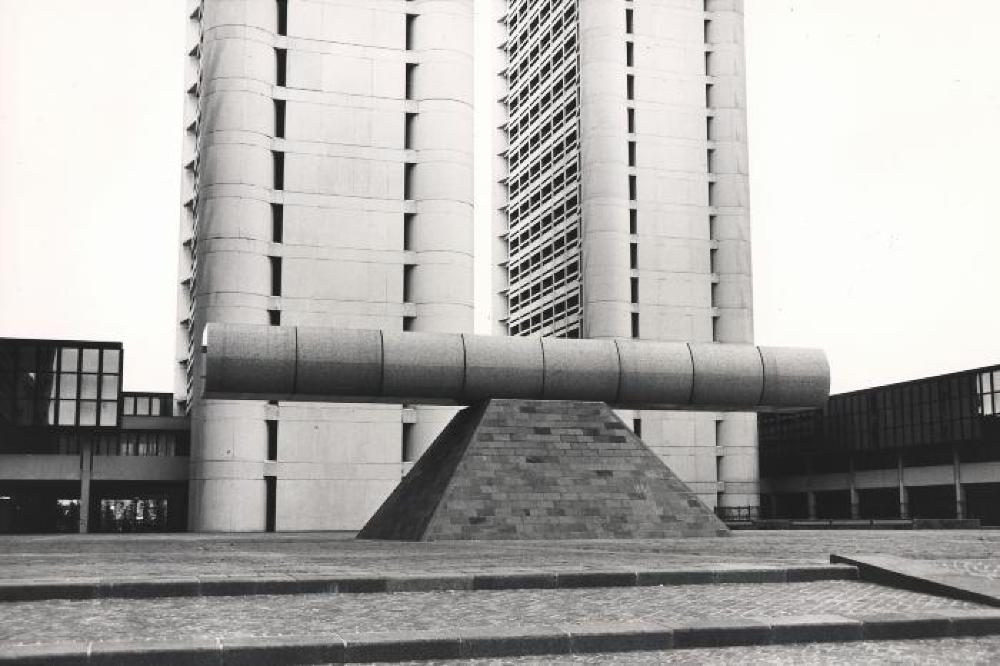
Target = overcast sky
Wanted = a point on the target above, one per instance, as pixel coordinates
(874, 144)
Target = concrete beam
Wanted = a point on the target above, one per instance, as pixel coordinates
(339, 365)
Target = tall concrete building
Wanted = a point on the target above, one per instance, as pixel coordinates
(328, 182)
(622, 155)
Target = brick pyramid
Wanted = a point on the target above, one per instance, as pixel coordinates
(528, 469)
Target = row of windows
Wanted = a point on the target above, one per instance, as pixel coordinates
(562, 157)
(555, 216)
(125, 443)
(522, 268)
(520, 34)
(952, 408)
(562, 118)
(534, 294)
(545, 85)
(567, 82)
(566, 178)
(562, 315)
(147, 404)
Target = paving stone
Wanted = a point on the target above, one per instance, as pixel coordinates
(619, 637)
(904, 625)
(722, 631)
(154, 653)
(813, 628)
(272, 651)
(400, 645)
(504, 641)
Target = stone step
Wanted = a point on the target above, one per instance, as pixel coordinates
(204, 586)
(494, 642)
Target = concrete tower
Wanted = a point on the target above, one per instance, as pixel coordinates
(624, 200)
(328, 182)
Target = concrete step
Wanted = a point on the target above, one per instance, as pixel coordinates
(494, 642)
(197, 586)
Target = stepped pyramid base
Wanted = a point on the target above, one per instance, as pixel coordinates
(530, 469)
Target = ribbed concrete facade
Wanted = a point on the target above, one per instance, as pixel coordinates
(624, 200)
(328, 183)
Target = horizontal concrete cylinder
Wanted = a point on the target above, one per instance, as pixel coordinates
(345, 365)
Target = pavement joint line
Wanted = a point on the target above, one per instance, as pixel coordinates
(14, 590)
(496, 642)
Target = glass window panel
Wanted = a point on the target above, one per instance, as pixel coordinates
(26, 359)
(129, 407)
(142, 406)
(109, 387)
(90, 360)
(88, 413)
(25, 412)
(154, 407)
(109, 413)
(988, 404)
(67, 386)
(88, 387)
(111, 360)
(67, 412)
(70, 359)
(996, 380)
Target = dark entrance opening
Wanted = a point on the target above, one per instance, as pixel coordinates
(138, 506)
(39, 507)
(931, 501)
(833, 504)
(791, 505)
(982, 501)
(878, 503)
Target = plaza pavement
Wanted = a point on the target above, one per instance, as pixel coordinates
(761, 587)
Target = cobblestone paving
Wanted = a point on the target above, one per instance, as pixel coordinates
(983, 568)
(931, 652)
(151, 556)
(316, 614)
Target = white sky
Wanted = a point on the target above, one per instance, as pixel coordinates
(874, 130)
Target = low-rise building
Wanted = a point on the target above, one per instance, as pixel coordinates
(79, 454)
(927, 448)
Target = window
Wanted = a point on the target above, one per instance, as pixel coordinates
(635, 324)
(706, 31)
(408, 448)
(708, 128)
(408, 231)
(281, 66)
(629, 54)
(275, 275)
(408, 123)
(410, 20)
(633, 221)
(282, 17)
(278, 158)
(637, 427)
(411, 70)
(633, 256)
(408, 180)
(631, 121)
(272, 440)
(408, 323)
(708, 95)
(710, 160)
(277, 223)
(632, 188)
(629, 86)
(408, 283)
(635, 289)
(279, 118)
(631, 153)
(270, 503)
(274, 317)
(628, 21)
